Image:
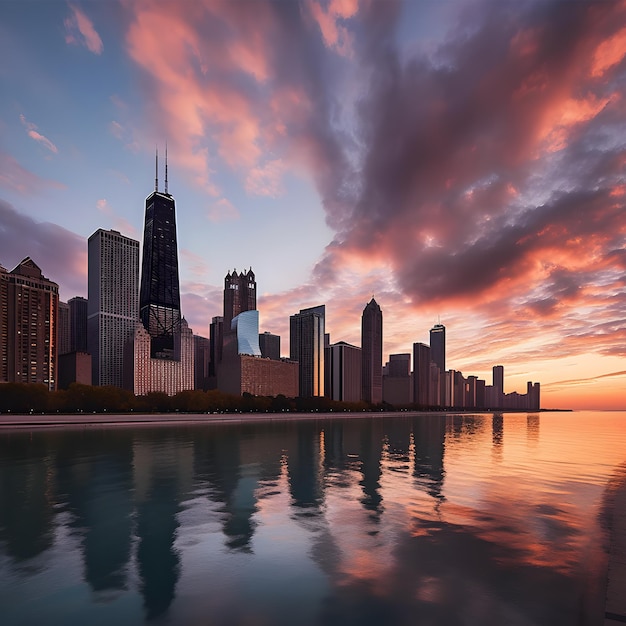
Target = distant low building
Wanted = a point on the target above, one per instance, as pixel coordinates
(255, 375)
(74, 367)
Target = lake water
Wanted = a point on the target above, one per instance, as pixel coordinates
(413, 519)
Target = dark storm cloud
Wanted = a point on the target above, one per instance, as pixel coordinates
(503, 146)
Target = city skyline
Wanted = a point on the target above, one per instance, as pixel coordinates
(461, 161)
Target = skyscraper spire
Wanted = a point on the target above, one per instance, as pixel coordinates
(156, 170)
(166, 167)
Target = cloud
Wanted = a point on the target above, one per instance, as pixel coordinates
(265, 180)
(584, 381)
(79, 30)
(125, 134)
(31, 131)
(223, 210)
(15, 177)
(118, 222)
(61, 254)
(480, 178)
(335, 35)
(233, 86)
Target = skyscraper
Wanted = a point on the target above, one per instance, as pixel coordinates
(112, 309)
(63, 328)
(160, 356)
(159, 299)
(29, 304)
(438, 346)
(344, 366)
(78, 324)
(438, 357)
(421, 374)
(498, 384)
(306, 345)
(372, 353)
(216, 339)
(239, 295)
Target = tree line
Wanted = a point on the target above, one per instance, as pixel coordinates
(33, 398)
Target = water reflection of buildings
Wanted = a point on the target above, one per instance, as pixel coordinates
(26, 525)
(163, 474)
(236, 466)
(429, 445)
(97, 490)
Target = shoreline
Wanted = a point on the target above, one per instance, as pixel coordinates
(57, 420)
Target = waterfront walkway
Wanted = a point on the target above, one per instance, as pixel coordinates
(615, 609)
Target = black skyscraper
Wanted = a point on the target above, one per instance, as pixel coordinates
(159, 296)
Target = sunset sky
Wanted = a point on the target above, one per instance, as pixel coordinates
(461, 161)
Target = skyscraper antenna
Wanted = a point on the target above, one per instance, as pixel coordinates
(166, 167)
(156, 170)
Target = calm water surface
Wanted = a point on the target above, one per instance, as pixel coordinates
(420, 520)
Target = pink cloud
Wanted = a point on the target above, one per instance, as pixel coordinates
(79, 30)
(335, 35)
(118, 222)
(266, 179)
(31, 131)
(17, 178)
(223, 210)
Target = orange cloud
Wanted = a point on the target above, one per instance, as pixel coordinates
(609, 53)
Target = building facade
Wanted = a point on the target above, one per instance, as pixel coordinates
(146, 374)
(306, 346)
(239, 294)
(257, 376)
(270, 345)
(29, 306)
(344, 362)
(78, 324)
(421, 374)
(372, 353)
(201, 361)
(113, 307)
(63, 328)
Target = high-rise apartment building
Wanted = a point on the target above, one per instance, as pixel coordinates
(4, 325)
(372, 353)
(306, 345)
(29, 305)
(159, 297)
(113, 307)
(78, 324)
